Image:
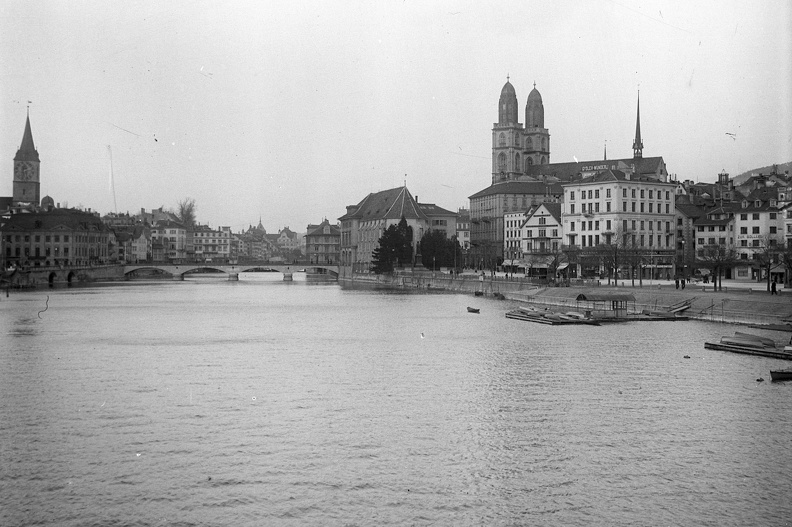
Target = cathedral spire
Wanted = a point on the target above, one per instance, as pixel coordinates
(27, 150)
(637, 143)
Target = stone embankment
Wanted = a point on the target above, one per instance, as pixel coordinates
(738, 305)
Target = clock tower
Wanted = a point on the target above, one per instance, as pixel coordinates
(26, 170)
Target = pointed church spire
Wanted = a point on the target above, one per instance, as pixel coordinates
(605, 155)
(637, 143)
(27, 150)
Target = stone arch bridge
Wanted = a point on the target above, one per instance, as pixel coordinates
(178, 271)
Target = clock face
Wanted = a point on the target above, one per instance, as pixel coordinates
(25, 171)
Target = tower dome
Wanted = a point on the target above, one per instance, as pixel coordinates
(534, 110)
(507, 105)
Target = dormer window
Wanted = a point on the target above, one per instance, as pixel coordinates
(773, 203)
(745, 204)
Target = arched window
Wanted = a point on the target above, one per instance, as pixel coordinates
(544, 146)
(528, 163)
(501, 162)
(517, 139)
(543, 160)
(528, 144)
(517, 163)
(502, 139)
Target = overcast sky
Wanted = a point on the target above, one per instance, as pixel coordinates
(293, 110)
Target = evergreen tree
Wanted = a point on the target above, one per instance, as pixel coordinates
(438, 251)
(394, 248)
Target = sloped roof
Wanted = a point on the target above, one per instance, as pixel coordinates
(567, 171)
(390, 204)
(690, 210)
(521, 187)
(553, 208)
(430, 209)
(27, 150)
(68, 219)
(316, 230)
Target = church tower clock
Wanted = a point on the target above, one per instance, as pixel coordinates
(26, 170)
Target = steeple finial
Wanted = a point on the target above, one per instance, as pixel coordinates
(605, 155)
(534, 84)
(507, 77)
(638, 143)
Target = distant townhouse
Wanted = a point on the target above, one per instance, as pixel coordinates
(172, 237)
(212, 245)
(541, 242)
(323, 243)
(463, 233)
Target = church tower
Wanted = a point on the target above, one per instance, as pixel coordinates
(637, 142)
(26, 170)
(537, 137)
(507, 138)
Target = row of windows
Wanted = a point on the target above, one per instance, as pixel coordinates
(592, 240)
(595, 207)
(594, 225)
(595, 194)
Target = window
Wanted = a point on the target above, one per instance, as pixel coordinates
(624, 206)
(755, 216)
(633, 224)
(722, 241)
(589, 195)
(572, 226)
(596, 194)
(743, 216)
(651, 194)
(642, 207)
(608, 225)
(755, 243)
(555, 233)
(624, 224)
(642, 193)
(667, 208)
(743, 230)
(642, 225)
(633, 193)
(572, 195)
(607, 206)
(668, 196)
(743, 243)
(571, 208)
(772, 215)
(542, 221)
(596, 207)
(596, 225)
(711, 241)
(772, 230)
(624, 192)
(607, 193)
(633, 206)
(650, 206)
(755, 230)
(650, 225)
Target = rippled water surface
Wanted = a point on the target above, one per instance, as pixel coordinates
(260, 402)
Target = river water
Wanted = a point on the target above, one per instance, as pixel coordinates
(261, 402)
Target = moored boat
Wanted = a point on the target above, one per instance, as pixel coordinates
(781, 375)
(473, 309)
(751, 345)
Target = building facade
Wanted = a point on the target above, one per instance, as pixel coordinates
(323, 243)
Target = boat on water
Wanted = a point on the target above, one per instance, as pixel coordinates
(473, 309)
(781, 375)
(751, 345)
(551, 318)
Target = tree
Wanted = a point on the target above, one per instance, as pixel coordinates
(437, 250)
(766, 256)
(394, 248)
(785, 255)
(186, 212)
(717, 258)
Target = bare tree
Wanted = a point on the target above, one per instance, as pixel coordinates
(767, 255)
(717, 258)
(785, 255)
(186, 212)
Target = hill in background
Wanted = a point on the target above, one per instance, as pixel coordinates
(781, 167)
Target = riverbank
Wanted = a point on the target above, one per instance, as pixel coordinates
(739, 302)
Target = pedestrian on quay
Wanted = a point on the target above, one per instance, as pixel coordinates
(683, 283)
(773, 287)
(676, 282)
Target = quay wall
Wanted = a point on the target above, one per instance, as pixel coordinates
(734, 305)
